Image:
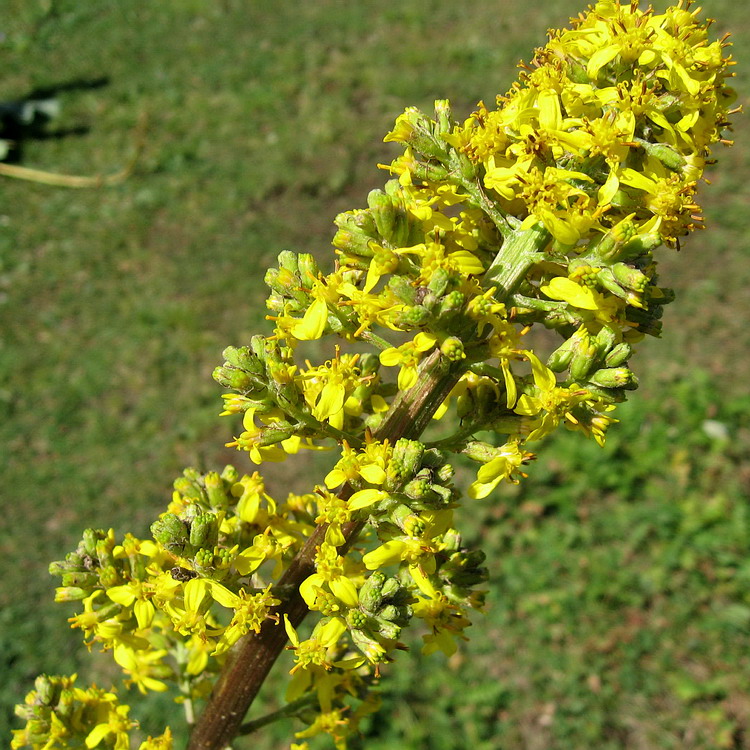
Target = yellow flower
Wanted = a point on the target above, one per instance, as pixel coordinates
(407, 356)
(327, 387)
(329, 572)
(143, 667)
(369, 465)
(549, 403)
(605, 308)
(505, 463)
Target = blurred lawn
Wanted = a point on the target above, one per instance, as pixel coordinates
(620, 612)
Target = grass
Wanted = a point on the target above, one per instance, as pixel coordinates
(620, 614)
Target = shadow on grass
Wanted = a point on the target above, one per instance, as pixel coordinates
(28, 118)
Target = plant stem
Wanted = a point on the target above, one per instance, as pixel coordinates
(253, 656)
(290, 709)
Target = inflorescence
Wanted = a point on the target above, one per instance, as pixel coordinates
(544, 210)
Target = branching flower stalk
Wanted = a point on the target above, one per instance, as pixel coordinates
(546, 210)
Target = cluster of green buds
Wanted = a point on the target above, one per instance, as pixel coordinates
(546, 210)
(60, 715)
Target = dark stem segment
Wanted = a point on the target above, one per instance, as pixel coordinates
(290, 709)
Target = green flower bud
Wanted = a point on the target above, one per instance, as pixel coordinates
(393, 589)
(308, 269)
(104, 552)
(400, 615)
(288, 261)
(605, 340)
(619, 354)
(402, 289)
(415, 129)
(188, 485)
(384, 212)
(419, 489)
(368, 646)
(368, 364)
(607, 280)
(170, 531)
(371, 593)
(453, 349)
(585, 354)
(363, 221)
(83, 578)
(666, 154)
(353, 244)
(452, 540)
(204, 531)
(243, 358)
(47, 690)
(387, 629)
(480, 451)
(59, 568)
(90, 538)
(355, 619)
(108, 576)
(640, 246)
(452, 303)
(215, 489)
(445, 473)
(204, 559)
(430, 171)
(402, 231)
(439, 282)
(70, 594)
(229, 474)
(408, 521)
(231, 377)
(415, 316)
(443, 116)
(560, 358)
(615, 377)
(608, 246)
(405, 462)
(629, 277)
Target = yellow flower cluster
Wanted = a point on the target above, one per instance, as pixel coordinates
(546, 210)
(60, 716)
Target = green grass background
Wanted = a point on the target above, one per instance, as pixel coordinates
(619, 609)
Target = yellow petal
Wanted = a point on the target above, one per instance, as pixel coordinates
(366, 498)
(313, 322)
(345, 590)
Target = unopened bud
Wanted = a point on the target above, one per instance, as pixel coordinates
(47, 690)
(308, 269)
(405, 462)
(619, 355)
(408, 521)
(356, 619)
(453, 349)
(387, 629)
(615, 377)
(384, 212)
(170, 531)
(666, 154)
(608, 247)
(234, 378)
(243, 358)
(629, 277)
(371, 592)
(204, 531)
(585, 354)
